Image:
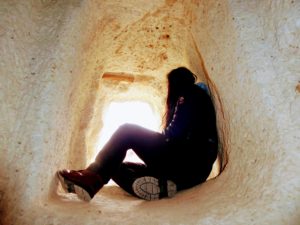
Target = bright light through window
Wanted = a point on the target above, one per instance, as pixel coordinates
(118, 113)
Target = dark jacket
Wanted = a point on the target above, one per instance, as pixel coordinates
(192, 136)
(194, 118)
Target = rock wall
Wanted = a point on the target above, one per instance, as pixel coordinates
(53, 92)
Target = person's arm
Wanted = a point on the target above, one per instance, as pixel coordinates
(178, 127)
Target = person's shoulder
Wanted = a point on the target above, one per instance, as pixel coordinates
(202, 87)
(201, 93)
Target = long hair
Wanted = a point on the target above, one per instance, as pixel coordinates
(179, 80)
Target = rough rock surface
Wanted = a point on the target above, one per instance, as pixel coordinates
(53, 55)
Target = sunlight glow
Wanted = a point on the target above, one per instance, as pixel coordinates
(118, 113)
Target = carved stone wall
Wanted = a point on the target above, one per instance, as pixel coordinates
(62, 62)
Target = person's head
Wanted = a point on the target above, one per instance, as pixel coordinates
(179, 80)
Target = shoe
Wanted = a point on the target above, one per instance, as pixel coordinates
(84, 183)
(66, 185)
(151, 188)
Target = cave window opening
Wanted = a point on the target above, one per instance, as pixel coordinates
(120, 112)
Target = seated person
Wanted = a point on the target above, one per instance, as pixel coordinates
(179, 157)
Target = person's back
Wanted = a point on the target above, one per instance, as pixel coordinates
(194, 135)
(203, 121)
(204, 131)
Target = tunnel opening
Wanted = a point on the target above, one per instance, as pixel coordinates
(121, 112)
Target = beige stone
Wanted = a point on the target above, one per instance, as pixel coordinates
(53, 55)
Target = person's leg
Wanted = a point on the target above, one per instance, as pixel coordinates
(150, 146)
(140, 181)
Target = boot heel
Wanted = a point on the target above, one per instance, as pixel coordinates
(172, 188)
(82, 194)
(67, 186)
